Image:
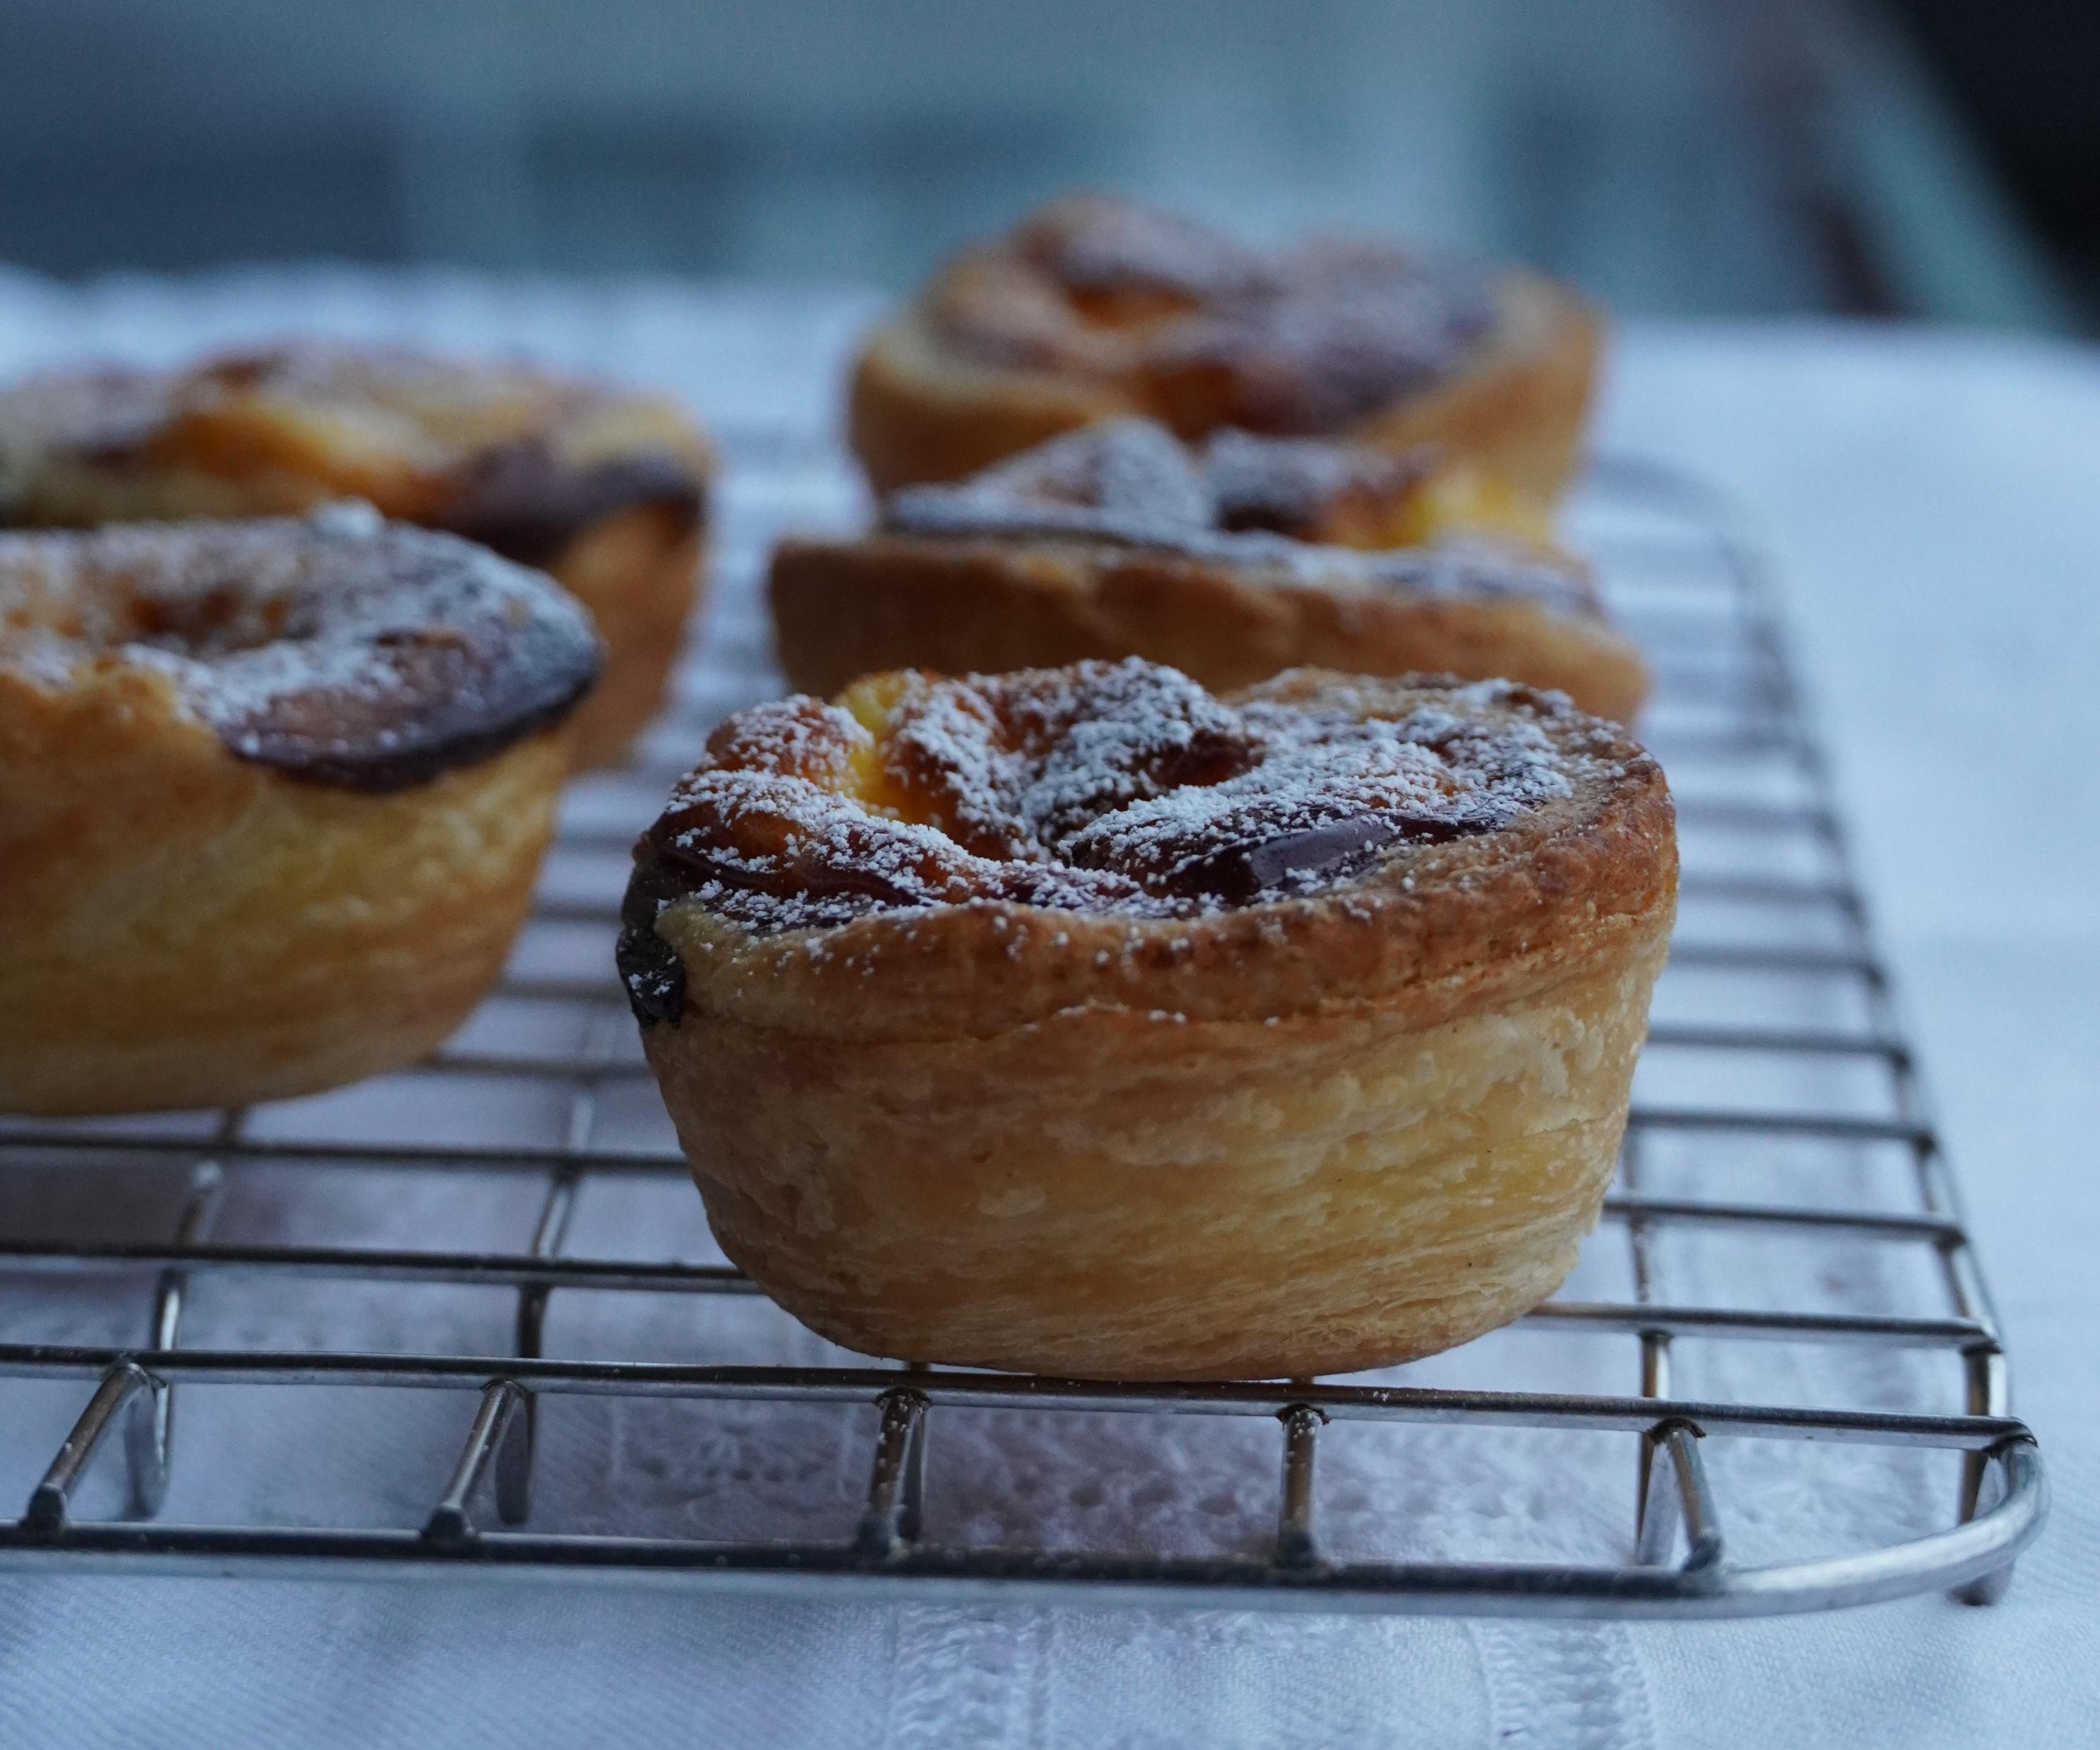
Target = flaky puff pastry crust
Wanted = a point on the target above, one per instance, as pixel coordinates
(844, 608)
(638, 571)
(604, 490)
(235, 867)
(923, 407)
(180, 930)
(1292, 1137)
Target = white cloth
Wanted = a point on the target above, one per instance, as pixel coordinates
(1932, 499)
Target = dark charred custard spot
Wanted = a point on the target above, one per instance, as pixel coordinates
(338, 649)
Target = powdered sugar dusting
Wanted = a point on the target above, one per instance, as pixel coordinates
(1236, 501)
(1119, 787)
(1127, 467)
(1090, 243)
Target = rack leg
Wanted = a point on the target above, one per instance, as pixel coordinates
(1654, 1345)
(1678, 1494)
(450, 1525)
(1655, 1383)
(149, 1431)
(1297, 1543)
(895, 1502)
(514, 1470)
(1983, 1477)
(911, 1513)
(47, 1511)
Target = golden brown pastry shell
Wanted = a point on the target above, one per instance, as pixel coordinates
(639, 573)
(1298, 1138)
(180, 928)
(845, 608)
(920, 409)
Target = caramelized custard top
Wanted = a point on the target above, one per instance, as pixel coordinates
(518, 459)
(1119, 787)
(339, 649)
(1206, 331)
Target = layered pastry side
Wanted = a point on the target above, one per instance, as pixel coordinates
(1094, 308)
(273, 795)
(1232, 560)
(605, 489)
(1080, 1021)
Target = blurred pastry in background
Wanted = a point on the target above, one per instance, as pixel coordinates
(605, 489)
(1095, 307)
(273, 796)
(1080, 1021)
(1232, 560)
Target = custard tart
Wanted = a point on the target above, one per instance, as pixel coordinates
(273, 795)
(1094, 308)
(1232, 560)
(1081, 1021)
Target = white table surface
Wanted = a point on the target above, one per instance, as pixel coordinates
(1936, 502)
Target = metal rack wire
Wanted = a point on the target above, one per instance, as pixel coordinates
(1684, 574)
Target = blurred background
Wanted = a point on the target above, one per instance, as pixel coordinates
(1706, 157)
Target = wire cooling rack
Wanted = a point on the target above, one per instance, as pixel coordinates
(400, 1352)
